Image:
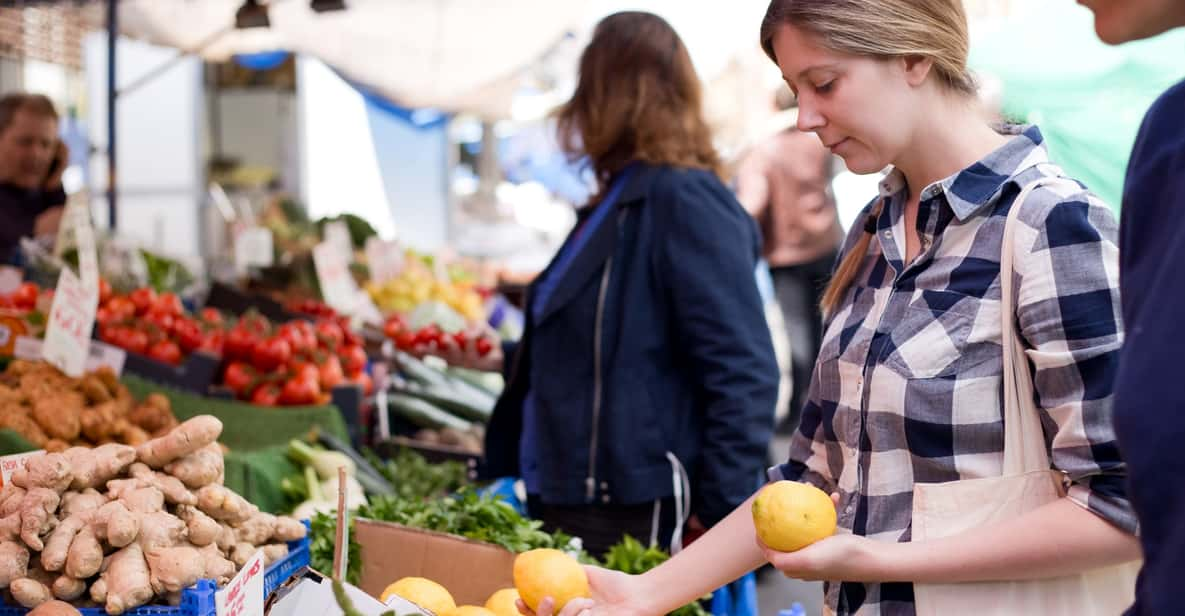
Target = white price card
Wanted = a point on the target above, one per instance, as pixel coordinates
(10, 464)
(71, 320)
(385, 259)
(243, 596)
(254, 248)
(337, 234)
(101, 354)
(333, 274)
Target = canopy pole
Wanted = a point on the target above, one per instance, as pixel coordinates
(112, 39)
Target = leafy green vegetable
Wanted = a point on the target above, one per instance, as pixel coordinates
(630, 556)
(417, 479)
(323, 536)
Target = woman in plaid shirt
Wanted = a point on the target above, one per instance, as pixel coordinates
(907, 388)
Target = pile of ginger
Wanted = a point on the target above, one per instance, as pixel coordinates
(54, 411)
(120, 526)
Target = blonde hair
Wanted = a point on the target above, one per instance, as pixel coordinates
(882, 29)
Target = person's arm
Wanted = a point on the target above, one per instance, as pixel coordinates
(1069, 317)
(705, 259)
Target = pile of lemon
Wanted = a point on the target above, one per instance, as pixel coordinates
(417, 284)
(537, 574)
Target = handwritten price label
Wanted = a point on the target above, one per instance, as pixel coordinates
(243, 596)
(333, 273)
(10, 464)
(71, 319)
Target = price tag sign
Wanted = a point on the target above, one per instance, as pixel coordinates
(71, 320)
(385, 259)
(10, 464)
(254, 248)
(337, 234)
(333, 274)
(243, 596)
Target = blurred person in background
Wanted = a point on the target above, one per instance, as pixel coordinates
(32, 159)
(641, 395)
(784, 182)
(1149, 401)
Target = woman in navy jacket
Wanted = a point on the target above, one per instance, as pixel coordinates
(641, 396)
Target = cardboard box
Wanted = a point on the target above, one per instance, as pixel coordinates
(311, 594)
(470, 570)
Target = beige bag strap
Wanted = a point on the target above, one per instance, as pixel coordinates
(1024, 440)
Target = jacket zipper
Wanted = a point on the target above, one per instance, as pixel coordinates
(590, 482)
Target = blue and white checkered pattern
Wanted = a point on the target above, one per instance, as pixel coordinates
(908, 384)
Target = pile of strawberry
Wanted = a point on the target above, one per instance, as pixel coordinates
(295, 363)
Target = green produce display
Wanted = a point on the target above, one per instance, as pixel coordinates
(630, 556)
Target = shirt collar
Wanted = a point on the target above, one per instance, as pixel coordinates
(970, 189)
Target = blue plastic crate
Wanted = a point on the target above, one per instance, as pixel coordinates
(198, 600)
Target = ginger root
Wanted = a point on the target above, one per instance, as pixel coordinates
(274, 552)
(181, 441)
(55, 608)
(30, 593)
(224, 505)
(116, 525)
(85, 556)
(175, 492)
(67, 588)
(173, 569)
(128, 584)
(57, 545)
(216, 566)
(51, 470)
(11, 498)
(37, 515)
(94, 467)
(14, 562)
(203, 530)
(160, 530)
(200, 468)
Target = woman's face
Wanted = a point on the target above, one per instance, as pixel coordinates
(862, 109)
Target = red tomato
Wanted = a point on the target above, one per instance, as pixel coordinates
(143, 299)
(393, 327)
(168, 303)
(162, 320)
(484, 346)
(212, 316)
(353, 359)
(462, 339)
(300, 391)
(121, 307)
(135, 341)
(427, 335)
(365, 381)
(266, 395)
(165, 351)
(292, 334)
(240, 343)
(103, 316)
(305, 370)
(238, 377)
(271, 353)
(329, 333)
(213, 343)
(405, 341)
(188, 333)
(25, 296)
(104, 291)
(330, 373)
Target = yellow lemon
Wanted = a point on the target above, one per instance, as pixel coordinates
(470, 610)
(501, 603)
(790, 515)
(422, 592)
(549, 573)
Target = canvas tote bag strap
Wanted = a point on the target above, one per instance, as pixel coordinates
(1024, 440)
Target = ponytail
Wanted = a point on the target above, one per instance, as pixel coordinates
(850, 266)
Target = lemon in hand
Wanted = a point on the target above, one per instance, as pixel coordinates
(422, 592)
(789, 515)
(539, 574)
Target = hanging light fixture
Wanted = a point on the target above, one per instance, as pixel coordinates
(324, 6)
(252, 15)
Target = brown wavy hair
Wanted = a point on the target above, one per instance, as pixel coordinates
(638, 99)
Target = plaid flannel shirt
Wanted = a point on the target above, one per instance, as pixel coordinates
(908, 384)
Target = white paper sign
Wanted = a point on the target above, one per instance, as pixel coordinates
(254, 248)
(71, 320)
(101, 354)
(243, 596)
(10, 464)
(337, 234)
(333, 274)
(385, 259)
